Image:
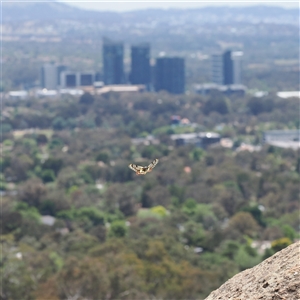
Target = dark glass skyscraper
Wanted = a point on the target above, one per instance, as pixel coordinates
(140, 64)
(227, 68)
(170, 75)
(113, 65)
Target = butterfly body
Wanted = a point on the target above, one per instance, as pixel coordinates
(140, 170)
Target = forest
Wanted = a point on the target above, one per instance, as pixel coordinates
(77, 223)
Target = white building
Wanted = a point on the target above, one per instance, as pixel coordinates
(18, 95)
(201, 139)
(49, 76)
(289, 94)
(44, 93)
(282, 138)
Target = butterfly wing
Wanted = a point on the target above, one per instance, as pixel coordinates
(153, 164)
(143, 170)
(135, 168)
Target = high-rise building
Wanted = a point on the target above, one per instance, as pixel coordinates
(217, 69)
(113, 65)
(69, 79)
(226, 67)
(170, 75)
(86, 78)
(236, 57)
(60, 69)
(140, 64)
(48, 76)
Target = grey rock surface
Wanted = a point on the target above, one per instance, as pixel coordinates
(276, 278)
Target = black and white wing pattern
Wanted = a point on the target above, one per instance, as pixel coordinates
(135, 167)
(140, 170)
(153, 164)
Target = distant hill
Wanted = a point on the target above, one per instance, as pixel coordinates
(21, 11)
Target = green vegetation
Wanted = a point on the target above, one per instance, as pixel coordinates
(177, 233)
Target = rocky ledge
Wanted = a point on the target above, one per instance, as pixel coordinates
(276, 278)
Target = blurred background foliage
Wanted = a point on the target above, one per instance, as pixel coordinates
(179, 232)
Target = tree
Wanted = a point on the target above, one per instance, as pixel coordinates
(193, 234)
(5, 127)
(54, 164)
(103, 156)
(256, 214)
(59, 123)
(86, 98)
(121, 197)
(20, 166)
(243, 223)
(217, 103)
(245, 258)
(289, 232)
(260, 105)
(230, 248)
(121, 173)
(150, 152)
(11, 221)
(158, 195)
(17, 281)
(197, 154)
(93, 214)
(32, 192)
(42, 139)
(55, 201)
(79, 279)
(280, 244)
(117, 229)
(47, 175)
(159, 210)
(68, 177)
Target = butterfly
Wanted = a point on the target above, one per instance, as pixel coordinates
(139, 170)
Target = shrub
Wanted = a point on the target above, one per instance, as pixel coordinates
(159, 210)
(102, 156)
(47, 175)
(280, 244)
(117, 229)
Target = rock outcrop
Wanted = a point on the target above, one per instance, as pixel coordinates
(276, 278)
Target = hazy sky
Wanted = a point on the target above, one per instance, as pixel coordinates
(122, 5)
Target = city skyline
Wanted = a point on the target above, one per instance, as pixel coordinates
(169, 72)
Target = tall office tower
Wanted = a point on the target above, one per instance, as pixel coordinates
(170, 75)
(226, 67)
(140, 64)
(236, 57)
(60, 69)
(48, 76)
(217, 69)
(113, 65)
